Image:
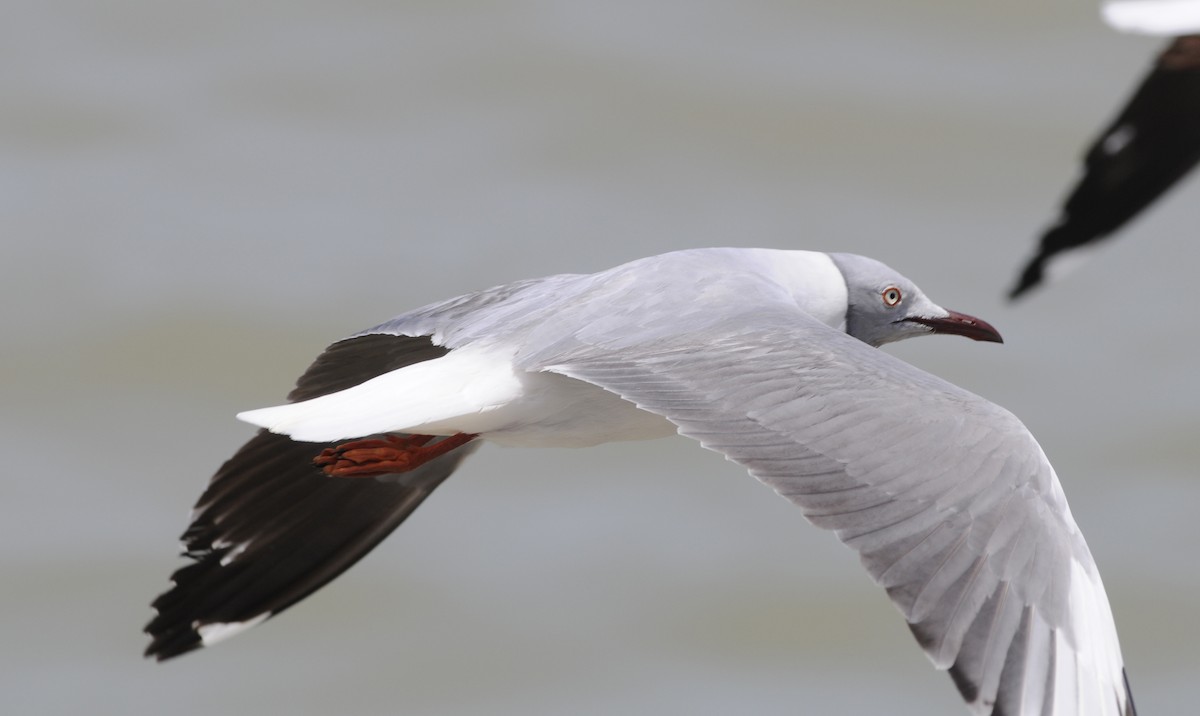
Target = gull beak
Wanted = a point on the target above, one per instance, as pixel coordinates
(960, 324)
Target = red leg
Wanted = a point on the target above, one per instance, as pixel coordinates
(394, 453)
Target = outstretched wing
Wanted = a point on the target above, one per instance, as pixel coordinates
(1152, 143)
(271, 528)
(947, 498)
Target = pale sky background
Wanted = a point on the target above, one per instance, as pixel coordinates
(195, 198)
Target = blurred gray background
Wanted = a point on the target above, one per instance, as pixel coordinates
(198, 197)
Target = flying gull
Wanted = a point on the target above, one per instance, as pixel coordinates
(1153, 142)
(768, 357)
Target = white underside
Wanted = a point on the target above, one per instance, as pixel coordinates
(1154, 17)
(467, 391)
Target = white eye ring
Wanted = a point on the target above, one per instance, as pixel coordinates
(891, 296)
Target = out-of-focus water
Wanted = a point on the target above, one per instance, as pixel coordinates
(196, 198)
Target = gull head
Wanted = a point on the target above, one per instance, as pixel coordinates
(884, 306)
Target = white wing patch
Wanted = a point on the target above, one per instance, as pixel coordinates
(219, 631)
(1118, 139)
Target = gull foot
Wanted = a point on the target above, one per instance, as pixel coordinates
(394, 453)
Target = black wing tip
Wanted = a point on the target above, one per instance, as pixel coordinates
(173, 635)
(1130, 709)
(170, 642)
(1064, 235)
(268, 495)
(1030, 278)
(160, 652)
(171, 632)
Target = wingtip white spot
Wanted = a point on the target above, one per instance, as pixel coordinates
(219, 631)
(1118, 139)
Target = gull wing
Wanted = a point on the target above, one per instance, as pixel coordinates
(1147, 149)
(947, 498)
(271, 528)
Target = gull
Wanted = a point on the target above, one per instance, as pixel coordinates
(1153, 142)
(768, 357)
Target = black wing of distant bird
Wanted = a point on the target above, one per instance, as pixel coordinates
(1152, 144)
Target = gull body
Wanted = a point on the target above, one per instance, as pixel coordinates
(480, 388)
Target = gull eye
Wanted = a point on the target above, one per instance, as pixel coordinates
(891, 296)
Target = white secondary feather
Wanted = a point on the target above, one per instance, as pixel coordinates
(1154, 17)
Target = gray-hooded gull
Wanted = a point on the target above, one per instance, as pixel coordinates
(765, 356)
(1153, 142)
